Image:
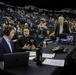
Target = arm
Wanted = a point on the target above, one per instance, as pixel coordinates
(34, 44)
(1, 52)
(66, 28)
(56, 31)
(21, 46)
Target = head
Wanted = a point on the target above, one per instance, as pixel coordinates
(9, 32)
(25, 25)
(31, 25)
(26, 31)
(61, 19)
(17, 25)
(7, 22)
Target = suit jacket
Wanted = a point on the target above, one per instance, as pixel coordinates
(4, 48)
(65, 29)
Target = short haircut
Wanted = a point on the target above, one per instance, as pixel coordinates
(25, 28)
(60, 17)
(7, 30)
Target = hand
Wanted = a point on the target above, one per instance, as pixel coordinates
(29, 47)
(33, 47)
(26, 47)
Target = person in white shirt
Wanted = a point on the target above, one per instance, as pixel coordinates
(6, 44)
(61, 27)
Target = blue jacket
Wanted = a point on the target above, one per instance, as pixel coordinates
(4, 48)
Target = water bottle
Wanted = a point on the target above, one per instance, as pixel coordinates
(39, 57)
(57, 40)
(44, 44)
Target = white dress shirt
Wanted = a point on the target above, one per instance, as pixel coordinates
(8, 42)
(61, 29)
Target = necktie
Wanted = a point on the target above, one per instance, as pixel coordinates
(10, 46)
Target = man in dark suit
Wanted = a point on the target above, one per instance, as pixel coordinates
(61, 27)
(6, 44)
(26, 42)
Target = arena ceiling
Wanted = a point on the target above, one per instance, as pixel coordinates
(47, 4)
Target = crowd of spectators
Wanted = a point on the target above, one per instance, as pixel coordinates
(41, 23)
